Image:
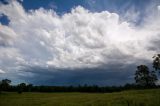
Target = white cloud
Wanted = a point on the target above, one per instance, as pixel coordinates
(158, 7)
(78, 39)
(1, 71)
(7, 35)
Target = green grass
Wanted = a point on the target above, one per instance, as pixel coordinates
(125, 98)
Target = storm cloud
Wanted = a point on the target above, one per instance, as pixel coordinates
(75, 42)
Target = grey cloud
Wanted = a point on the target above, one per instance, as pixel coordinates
(77, 40)
(91, 76)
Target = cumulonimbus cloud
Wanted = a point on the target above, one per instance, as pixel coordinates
(79, 39)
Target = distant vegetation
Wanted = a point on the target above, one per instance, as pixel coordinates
(81, 88)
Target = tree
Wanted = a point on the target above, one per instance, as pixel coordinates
(144, 77)
(5, 84)
(0, 86)
(29, 87)
(21, 87)
(156, 62)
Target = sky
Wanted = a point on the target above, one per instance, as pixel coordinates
(76, 42)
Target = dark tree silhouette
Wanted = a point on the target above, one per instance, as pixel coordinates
(4, 84)
(29, 87)
(21, 87)
(144, 77)
(156, 62)
(0, 86)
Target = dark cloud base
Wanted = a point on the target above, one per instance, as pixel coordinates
(94, 76)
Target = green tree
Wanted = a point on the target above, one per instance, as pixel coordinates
(156, 62)
(144, 77)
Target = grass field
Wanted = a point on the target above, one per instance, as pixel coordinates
(125, 98)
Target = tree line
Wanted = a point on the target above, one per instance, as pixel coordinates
(144, 78)
(20, 88)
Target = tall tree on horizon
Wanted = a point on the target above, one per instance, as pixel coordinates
(156, 62)
(144, 77)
